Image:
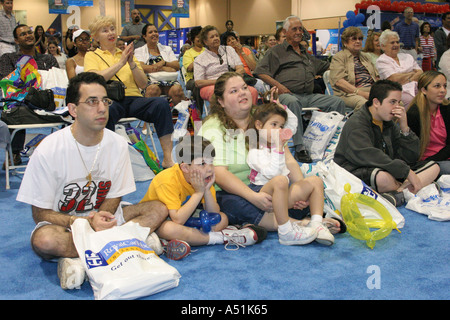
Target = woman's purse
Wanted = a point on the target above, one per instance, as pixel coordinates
(114, 89)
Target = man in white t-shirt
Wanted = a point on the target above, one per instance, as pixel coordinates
(81, 172)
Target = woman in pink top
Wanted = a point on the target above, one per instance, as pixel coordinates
(429, 118)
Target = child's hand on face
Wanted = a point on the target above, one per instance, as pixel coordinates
(210, 181)
(197, 180)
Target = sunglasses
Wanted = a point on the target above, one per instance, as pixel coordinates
(357, 38)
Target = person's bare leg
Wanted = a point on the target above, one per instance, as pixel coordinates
(278, 188)
(176, 94)
(166, 146)
(148, 214)
(386, 182)
(52, 241)
(426, 177)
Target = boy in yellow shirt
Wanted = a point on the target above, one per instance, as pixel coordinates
(184, 188)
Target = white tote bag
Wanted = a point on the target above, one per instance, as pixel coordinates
(119, 264)
(319, 132)
(56, 79)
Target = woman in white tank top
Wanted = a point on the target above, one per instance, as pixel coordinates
(82, 41)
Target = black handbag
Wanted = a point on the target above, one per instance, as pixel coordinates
(114, 89)
(40, 99)
(22, 114)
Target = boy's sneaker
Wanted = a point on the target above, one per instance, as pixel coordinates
(394, 197)
(153, 242)
(246, 236)
(71, 273)
(177, 249)
(298, 235)
(324, 235)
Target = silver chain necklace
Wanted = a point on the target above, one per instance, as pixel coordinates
(89, 176)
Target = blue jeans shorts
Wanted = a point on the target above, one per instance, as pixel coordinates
(240, 211)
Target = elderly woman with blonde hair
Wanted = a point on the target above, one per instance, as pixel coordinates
(398, 67)
(352, 72)
(114, 64)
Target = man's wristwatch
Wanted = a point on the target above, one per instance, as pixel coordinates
(405, 133)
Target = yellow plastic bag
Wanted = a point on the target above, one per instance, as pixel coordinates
(358, 226)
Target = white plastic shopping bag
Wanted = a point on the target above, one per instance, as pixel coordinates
(334, 178)
(319, 132)
(180, 127)
(56, 79)
(119, 264)
(430, 202)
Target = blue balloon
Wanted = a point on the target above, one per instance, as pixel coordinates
(205, 221)
(351, 22)
(350, 14)
(360, 18)
(346, 24)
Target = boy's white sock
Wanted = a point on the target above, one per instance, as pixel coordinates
(316, 217)
(215, 238)
(285, 228)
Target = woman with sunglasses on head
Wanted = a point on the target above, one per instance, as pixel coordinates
(399, 67)
(352, 72)
(82, 42)
(215, 61)
(115, 64)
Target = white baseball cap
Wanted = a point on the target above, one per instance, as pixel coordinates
(78, 33)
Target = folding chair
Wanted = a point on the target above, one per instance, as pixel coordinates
(9, 153)
(326, 80)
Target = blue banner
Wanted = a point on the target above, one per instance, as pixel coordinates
(60, 6)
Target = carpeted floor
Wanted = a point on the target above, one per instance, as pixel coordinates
(413, 264)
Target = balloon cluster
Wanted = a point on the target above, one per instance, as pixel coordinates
(205, 221)
(400, 6)
(354, 20)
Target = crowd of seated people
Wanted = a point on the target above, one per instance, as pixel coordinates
(353, 70)
(388, 92)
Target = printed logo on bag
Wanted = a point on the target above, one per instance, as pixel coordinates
(113, 250)
(320, 126)
(366, 190)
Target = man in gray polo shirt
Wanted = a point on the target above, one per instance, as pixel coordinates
(133, 30)
(292, 70)
(7, 25)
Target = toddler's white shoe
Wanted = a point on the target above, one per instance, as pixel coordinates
(324, 235)
(298, 235)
